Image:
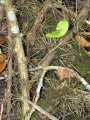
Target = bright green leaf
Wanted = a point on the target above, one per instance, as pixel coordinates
(62, 25)
(54, 34)
(61, 29)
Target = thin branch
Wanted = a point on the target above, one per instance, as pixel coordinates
(42, 111)
(31, 36)
(75, 74)
(22, 64)
(1, 112)
(83, 13)
(2, 78)
(9, 82)
(40, 85)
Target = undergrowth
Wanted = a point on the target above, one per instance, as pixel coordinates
(62, 98)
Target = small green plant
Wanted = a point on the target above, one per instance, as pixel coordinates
(61, 29)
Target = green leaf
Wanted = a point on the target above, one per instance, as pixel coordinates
(54, 34)
(62, 25)
(61, 29)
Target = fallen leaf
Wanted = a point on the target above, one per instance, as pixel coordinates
(87, 38)
(2, 40)
(2, 62)
(82, 41)
(65, 73)
(85, 42)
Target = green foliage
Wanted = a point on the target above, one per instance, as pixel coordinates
(81, 61)
(61, 29)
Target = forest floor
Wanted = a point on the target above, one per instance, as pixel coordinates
(58, 67)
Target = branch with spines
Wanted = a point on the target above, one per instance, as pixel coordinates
(38, 108)
(22, 64)
(47, 68)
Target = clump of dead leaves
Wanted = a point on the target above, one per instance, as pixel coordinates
(65, 73)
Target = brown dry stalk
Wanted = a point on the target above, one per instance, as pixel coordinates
(22, 66)
(42, 111)
(31, 36)
(83, 13)
(1, 13)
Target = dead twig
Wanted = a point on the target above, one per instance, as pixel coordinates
(64, 72)
(31, 36)
(1, 111)
(42, 111)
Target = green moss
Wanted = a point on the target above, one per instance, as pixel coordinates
(81, 61)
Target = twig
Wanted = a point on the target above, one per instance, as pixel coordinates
(45, 69)
(84, 82)
(83, 14)
(42, 111)
(81, 79)
(31, 36)
(67, 11)
(40, 85)
(2, 78)
(1, 111)
(9, 82)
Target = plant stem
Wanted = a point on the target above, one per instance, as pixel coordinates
(22, 66)
(9, 82)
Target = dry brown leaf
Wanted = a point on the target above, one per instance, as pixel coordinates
(82, 41)
(65, 73)
(31, 37)
(2, 62)
(2, 40)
